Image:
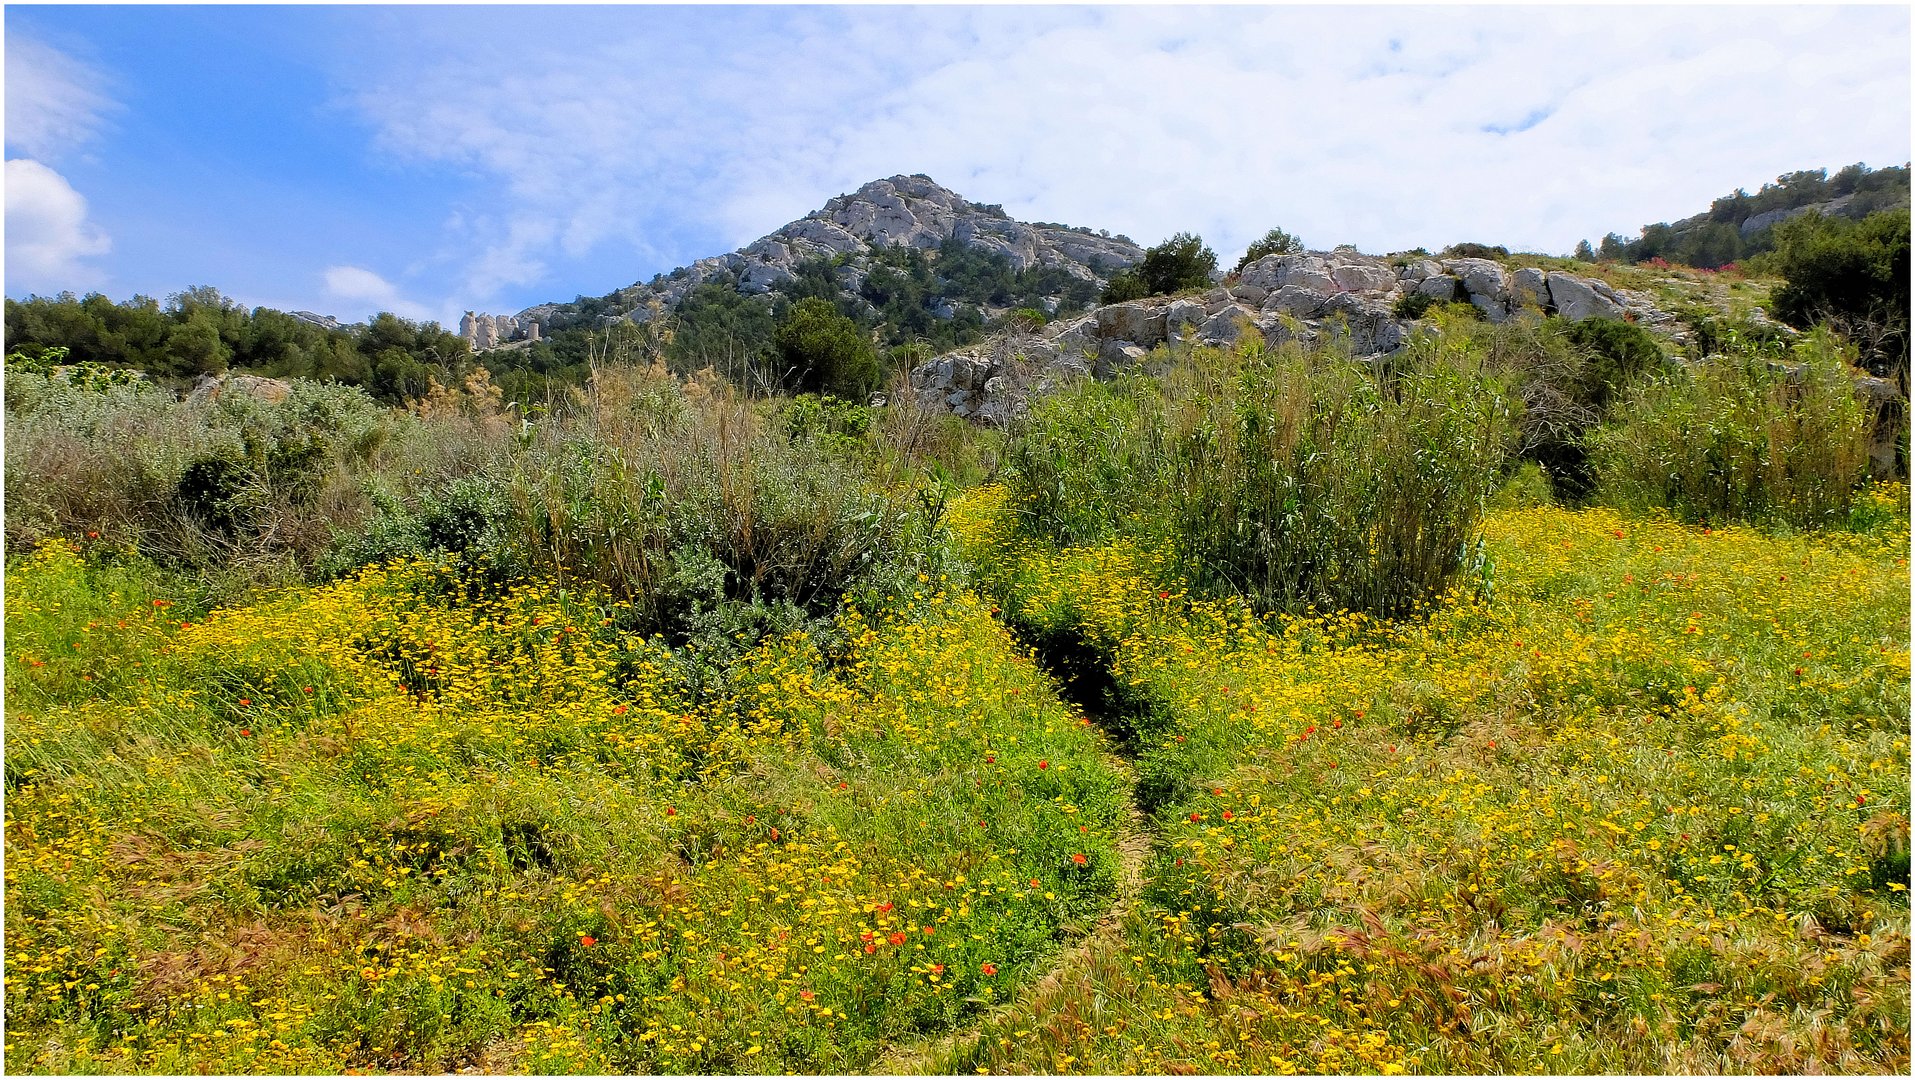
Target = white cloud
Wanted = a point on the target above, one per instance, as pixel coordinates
(357, 285)
(49, 238)
(55, 103)
(1383, 127)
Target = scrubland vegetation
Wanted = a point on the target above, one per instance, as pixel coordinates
(1525, 703)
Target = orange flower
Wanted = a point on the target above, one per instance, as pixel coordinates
(897, 938)
(989, 969)
(1080, 860)
(587, 940)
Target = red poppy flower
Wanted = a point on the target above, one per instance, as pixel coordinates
(1080, 860)
(937, 969)
(587, 940)
(988, 969)
(1045, 764)
(897, 939)
(246, 731)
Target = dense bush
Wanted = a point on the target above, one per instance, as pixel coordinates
(229, 485)
(1274, 242)
(1853, 275)
(1412, 305)
(1742, 436)
(1294, 479)
(708, 515)
(1615, 355)
(1181, 262)
(826, 351)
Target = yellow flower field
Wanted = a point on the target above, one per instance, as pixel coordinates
(1635, 801)
(395, 824)
(1632, 798)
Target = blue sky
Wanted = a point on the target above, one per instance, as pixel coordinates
(433, 159)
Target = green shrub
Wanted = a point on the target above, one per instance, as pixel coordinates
(1294, 479)
(826, 351)
(1743, 436)
(699, 513)
(1179, 263)
(1412, 305)
(1124, 285)
(1852, 274)
(1274, 242)
(1616, 354)
(205, 486)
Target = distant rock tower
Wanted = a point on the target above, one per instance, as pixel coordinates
(469, 328)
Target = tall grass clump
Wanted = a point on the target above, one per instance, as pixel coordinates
(1303, 480)
(1747, 435)
(1295, 478)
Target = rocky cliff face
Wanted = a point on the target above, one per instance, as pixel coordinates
(1316, 296)
(900, 211)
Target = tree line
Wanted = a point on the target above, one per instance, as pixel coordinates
(1717, 238)
(203, 332)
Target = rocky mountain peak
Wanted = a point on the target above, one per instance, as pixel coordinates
(898, 211)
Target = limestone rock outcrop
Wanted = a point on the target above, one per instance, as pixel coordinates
(492, 331)
(1314, 297)
(899, 211)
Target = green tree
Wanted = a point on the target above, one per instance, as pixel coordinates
(1274, 242)
(1181, 262)
(825, 351)
(196, 348)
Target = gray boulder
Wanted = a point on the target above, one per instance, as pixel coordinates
(1439, 287)
(1136, 322)
(1575, 300)
(1115, 356)
(1296, 300)
(1226, 326)
(1481, 277)
(1529, 287)
(1363, 277)
(1495, 311)
(1419, 269)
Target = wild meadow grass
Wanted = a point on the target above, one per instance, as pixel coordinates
(677, 731)
(1634, 801)
(394, 823)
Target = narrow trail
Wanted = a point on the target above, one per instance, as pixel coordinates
(932, 1055)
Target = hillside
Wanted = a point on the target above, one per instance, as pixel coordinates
(1047, 265)
(1739, 225)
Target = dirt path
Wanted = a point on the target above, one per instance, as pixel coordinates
(932, 1055)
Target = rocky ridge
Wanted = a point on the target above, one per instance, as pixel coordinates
(1315, 296)
(899, 211)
